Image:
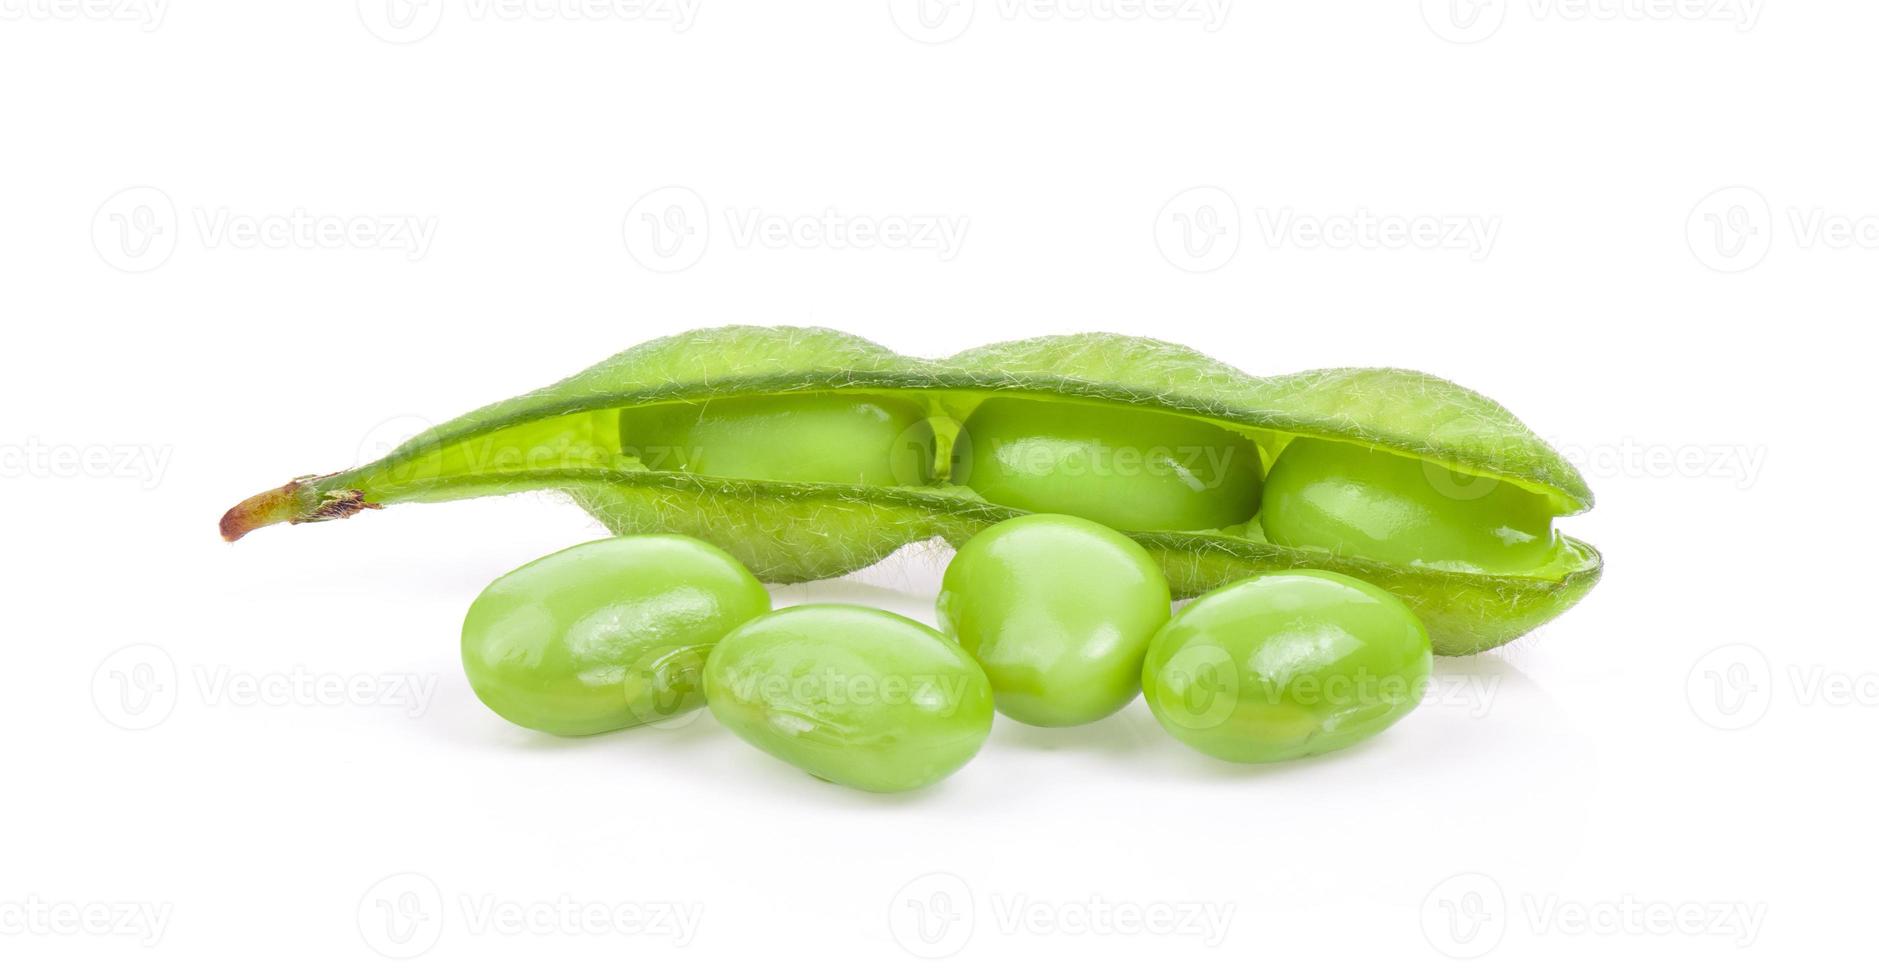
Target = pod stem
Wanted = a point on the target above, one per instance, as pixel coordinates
(298, 501)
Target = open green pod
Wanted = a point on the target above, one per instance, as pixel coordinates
(808, 453)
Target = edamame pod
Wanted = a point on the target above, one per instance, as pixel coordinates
(788, 525)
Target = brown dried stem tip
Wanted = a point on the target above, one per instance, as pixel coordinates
(295, 502)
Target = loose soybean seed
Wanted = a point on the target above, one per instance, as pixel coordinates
(607, 634)
(852, 695)
(1059, 611)
(1284, 665)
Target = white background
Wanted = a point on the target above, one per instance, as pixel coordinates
(1676, 773)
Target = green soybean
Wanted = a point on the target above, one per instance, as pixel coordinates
(809, 453)
(1384, 506)
(605, 635)
(1059, 611)
(1125, 467)
(865, 440)
(852, 695)
(1284, 665)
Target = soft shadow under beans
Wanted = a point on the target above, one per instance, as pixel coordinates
(1131, 732)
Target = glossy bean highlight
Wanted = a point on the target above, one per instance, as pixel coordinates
(1127, 468)
(862, 439)
(851, 695)
(1285, 665)
(1368, 503)
(1059, 611)
(605, 635)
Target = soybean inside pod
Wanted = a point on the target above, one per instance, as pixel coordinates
(808, 453)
